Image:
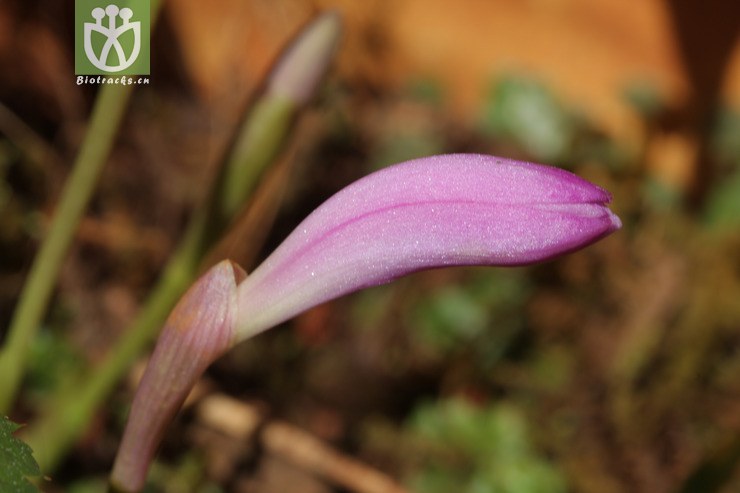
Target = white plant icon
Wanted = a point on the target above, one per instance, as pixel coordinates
(112, 33)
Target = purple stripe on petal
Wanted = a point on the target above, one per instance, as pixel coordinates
(460, 209)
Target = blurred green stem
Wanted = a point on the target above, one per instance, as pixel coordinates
(106, 117)
(107, 114)
(255, 147)
(71, 409)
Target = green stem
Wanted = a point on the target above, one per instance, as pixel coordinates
(71, 409)
(106, 117)
(67, 416)
(110, 105)
(255, 146)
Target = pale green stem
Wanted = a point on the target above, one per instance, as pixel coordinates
(106, 117)
(67, 415)
(69, 412)
(110, 105)
(258, 142)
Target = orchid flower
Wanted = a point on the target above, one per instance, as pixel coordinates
(450, 210)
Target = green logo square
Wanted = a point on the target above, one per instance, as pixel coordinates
(112, 37)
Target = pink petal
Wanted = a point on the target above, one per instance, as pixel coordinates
(459, 209)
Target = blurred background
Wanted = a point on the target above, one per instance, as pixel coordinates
(614, 369)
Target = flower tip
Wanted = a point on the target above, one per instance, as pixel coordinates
(616, 222)
(304, 63)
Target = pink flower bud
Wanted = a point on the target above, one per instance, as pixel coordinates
(459, 209)
(300, 69)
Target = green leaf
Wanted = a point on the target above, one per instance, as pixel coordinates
(525, 113)
(646, 98)
(480, 448)
(16, 461)
(723, 204)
